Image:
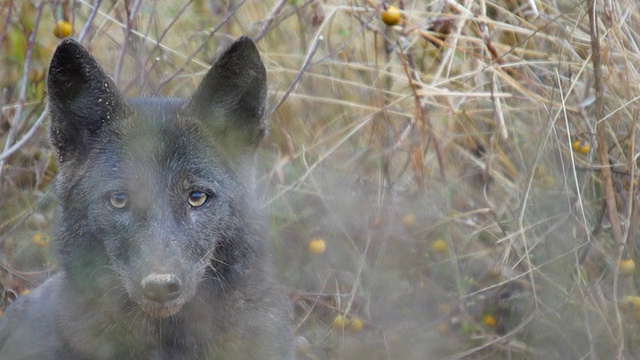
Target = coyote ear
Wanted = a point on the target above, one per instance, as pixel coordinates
(231, 98)
(82, 99)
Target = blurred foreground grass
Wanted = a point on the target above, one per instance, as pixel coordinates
(435, 189)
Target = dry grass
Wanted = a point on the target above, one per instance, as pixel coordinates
(456, 124)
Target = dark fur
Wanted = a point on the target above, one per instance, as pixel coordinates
(154, 153)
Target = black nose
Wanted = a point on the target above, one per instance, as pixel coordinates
(161, 287)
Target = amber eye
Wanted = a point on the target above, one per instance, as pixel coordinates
(118, 200)
(197, 198)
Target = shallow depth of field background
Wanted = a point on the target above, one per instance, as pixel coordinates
(449, 164)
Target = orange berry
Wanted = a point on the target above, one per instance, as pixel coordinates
(391, 16)
(549, 182)
(631, 306)
(317, 246)
(41, 239)
(579, 147)
(356, 325)
(489, 320)
(444, 308)
(62, 29)
(442, 328)
(340, 322)
(630, 303)
(626, 267)
(409, 219)
(439, 246)
(540, 170)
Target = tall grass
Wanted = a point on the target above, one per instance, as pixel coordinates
(471, 170)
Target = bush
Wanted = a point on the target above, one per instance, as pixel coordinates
(471, 170)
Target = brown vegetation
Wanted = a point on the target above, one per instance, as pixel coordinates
(471, 171)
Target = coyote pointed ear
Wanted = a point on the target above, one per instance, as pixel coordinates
(82, 99)
(231, 98)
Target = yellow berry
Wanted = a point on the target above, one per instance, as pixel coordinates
(24, 291)
(630, 303)
(442, 328)
(494, 273)
(444, 308)
(356, 325)
(340, 322)
(489, 320)
(391, 16)
(627, 266)
(631, 306)
(41, 239)
(439, 246)
(579, 147)
(317, 246)
(549, 182)
(62, 29)
(409, 219)
(541, 170)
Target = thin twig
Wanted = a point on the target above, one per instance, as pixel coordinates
(131, 16)
(92, 15)
(5, 26)
(269, 20)
(605, 173)
(303, 69)
(15, 147)
(155, 41)
(16, 125)
(191, 57)
(420, 113)
(157, 48)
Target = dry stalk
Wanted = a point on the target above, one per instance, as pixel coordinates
(605, 172)
(275, 12)
(424, 121)
(17, 122)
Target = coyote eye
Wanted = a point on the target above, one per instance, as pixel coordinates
(118, 200)
(197, 198)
